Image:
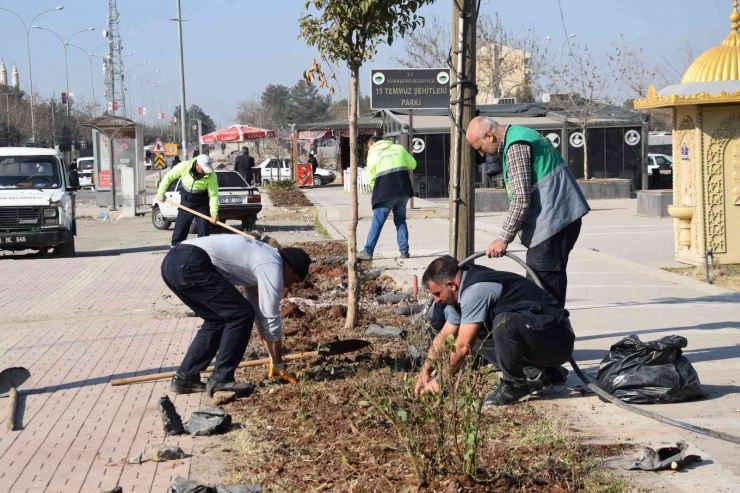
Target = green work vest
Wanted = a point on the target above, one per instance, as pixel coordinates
(556, 200)
(545, 158)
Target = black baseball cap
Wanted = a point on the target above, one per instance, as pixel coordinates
(297, 259)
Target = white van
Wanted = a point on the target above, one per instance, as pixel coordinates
(37, 201)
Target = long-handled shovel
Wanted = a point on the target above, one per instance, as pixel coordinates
(198, 214)
(11, 379)
(324, 349)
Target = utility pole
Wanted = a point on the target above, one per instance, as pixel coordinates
(115, 76)
(183, 118)
(53, 122)
(462, 162)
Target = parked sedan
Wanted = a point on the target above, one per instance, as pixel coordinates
(659, 161)
(237, 201)
(85, 171)
(271, 171)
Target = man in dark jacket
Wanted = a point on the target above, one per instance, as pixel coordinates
(313, 162)
(501, 317)
(388, 167)
(244, 164)
(74, 176)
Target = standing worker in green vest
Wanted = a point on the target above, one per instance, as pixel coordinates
(545, 202)
(198, 191)
(388, 167)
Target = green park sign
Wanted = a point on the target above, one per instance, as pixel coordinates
(410, 89)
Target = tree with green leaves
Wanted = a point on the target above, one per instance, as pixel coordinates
(65, 139)
(10, 135)
(306, 105)
(275, 100)
(339, 109)
(351, 32)
(194, 113)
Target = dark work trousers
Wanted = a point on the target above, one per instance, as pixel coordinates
(228, 316)
(483, 348)
(199, 203)
(549, 260)
(518, 346)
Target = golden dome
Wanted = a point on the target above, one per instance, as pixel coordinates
(720, 63)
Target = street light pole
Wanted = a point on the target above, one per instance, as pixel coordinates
(127, 92)
(151, 93)
(183, 122)
(27, 27)
(563, 45)
(64, 45)
(92, 78)
(142, 101)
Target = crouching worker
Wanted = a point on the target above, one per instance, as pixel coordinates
(503, 318)
(203, 273)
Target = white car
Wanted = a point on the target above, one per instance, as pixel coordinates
(237, 201)
(85, 166)
(272, 172)
(659, 161)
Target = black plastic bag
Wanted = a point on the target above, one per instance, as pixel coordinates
(208, 422)
(649, 372)
(171, 421)
(185, 485)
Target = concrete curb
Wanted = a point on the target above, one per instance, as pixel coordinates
(328, 226)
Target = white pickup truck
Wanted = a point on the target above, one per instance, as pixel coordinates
(37, 201)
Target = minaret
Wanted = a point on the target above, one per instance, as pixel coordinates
(16, 80)
(3, 74)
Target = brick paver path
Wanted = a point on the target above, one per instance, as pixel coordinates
(76, 324)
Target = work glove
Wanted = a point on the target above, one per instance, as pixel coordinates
(278, 371)
(214, 219)
(160, 198)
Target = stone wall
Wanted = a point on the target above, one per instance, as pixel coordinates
(605, 189)
(495, 200)
(654, 203)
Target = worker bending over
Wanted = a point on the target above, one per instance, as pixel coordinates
(203, 273)
(546, 203)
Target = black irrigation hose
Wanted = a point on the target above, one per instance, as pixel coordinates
(605, 395)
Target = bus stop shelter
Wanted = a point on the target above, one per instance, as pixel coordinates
(119, 178)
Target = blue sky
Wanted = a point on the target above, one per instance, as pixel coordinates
(234, 48)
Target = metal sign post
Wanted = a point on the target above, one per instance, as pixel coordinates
(410, 150)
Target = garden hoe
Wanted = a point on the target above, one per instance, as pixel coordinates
(11, 380)
(324, 349)
(203, 216)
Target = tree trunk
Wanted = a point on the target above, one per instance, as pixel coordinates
(466, 215)
(353, 286)
(585, 154)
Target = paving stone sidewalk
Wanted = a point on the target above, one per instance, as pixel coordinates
(76, 324)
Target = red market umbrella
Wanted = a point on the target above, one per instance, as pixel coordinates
(237, 133)
(314, 134)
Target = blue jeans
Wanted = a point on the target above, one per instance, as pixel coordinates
(380, 214)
